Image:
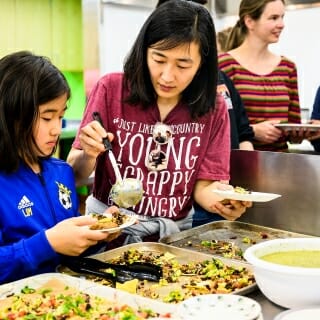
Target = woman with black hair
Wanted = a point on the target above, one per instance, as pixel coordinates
(167, 85)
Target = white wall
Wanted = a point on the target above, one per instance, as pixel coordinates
(300, 41)
(120, 25)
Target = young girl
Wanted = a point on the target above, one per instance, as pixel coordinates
(38, 204)
(168, 85)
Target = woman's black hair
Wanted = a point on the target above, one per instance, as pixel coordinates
(174, 23)
(160, 2)
(26, 82)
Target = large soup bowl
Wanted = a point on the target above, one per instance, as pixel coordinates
(287, 286)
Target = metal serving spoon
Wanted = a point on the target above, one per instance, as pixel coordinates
(126, 192)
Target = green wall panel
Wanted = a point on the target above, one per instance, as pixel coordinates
(48, 27)
(7, 27)
(33, 26)
(78, 100)
(52, 28)
(67, 44)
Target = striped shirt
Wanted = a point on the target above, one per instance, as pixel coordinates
(273, 96)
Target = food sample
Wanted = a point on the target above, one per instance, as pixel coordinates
(108, 221)
(242, 190)
(55, 300)
(224, 248)
(238, 190)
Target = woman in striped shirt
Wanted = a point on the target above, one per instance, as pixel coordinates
(266, 82)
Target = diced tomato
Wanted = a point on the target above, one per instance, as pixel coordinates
(166, 315)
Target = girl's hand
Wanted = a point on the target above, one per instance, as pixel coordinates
(73, 236)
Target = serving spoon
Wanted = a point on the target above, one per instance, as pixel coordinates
(126, 192)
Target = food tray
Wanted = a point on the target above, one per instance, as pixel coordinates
(181, 255)
(118, 296)
(238, 234)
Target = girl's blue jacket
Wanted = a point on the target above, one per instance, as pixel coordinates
(29, 204)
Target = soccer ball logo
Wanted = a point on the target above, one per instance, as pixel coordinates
(64, 196)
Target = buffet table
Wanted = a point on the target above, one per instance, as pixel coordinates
(241, 235)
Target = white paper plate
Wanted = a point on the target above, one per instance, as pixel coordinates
(252, 196)
(311, 313)
(130, 220)
(294, 126)
(219, 306)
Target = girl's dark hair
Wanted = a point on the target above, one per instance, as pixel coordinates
(251, 8)
(174, 23)
(26, 82)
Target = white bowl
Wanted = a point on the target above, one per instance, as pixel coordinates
(287, 286)
(219, 306)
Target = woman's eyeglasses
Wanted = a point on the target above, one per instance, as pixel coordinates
(157, 159)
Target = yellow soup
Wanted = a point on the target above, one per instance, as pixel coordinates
(295, 258)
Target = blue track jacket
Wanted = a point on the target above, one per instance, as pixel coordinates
(29, 204)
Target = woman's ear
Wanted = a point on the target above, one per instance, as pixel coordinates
(249, 22)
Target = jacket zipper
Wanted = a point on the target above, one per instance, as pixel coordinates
(43, 182)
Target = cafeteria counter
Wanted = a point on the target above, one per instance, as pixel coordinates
(296, 177)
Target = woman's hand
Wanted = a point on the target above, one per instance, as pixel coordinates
(83, 161)
(303, 133)
(91, 137)
(266, 131)
(312, 135)
(211, 202)
(233, 210)
(73, 236)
